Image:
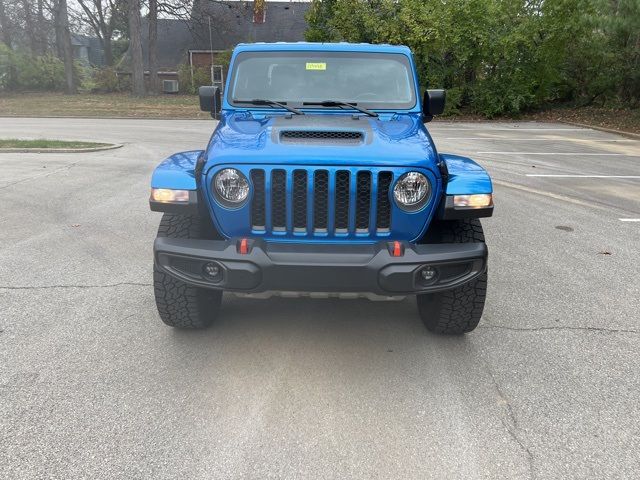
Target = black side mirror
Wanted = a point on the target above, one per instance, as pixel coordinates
(210, 100)
(433, 104)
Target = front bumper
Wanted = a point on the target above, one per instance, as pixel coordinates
(286, 267)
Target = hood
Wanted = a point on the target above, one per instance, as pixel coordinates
(332, 139)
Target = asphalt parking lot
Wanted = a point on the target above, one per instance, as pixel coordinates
(92, 385)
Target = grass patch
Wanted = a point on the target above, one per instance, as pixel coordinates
(100, 106)
(43, 143)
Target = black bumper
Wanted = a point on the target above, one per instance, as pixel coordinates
(320, 268)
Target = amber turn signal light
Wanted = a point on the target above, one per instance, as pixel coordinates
(473, 201)
(166, 195)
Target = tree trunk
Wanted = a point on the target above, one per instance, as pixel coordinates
(135, 48)
(41, 25)
(108, 51)
(153, 46)
(63, 42)
(5, 28)
(28, 24)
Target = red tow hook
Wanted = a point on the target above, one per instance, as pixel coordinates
(243, 246)
(396, 249)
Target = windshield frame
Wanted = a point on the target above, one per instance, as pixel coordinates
(406, 60)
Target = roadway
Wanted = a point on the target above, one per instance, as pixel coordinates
(93, 385)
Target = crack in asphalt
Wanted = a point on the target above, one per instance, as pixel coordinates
(510, 423)
(45, 287)
(47, 174)
(559, 328)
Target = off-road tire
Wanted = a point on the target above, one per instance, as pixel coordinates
(181, 305)
(459, 310)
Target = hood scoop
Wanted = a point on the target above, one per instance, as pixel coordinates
(322, 137)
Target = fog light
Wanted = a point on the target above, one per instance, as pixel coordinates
(213, 271)
(428, 275)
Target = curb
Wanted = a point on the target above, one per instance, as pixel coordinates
(60, 150)
(88, 117)
(602, 129)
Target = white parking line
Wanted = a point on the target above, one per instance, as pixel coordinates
(562, 153)
(537, 139)
(579, 176)
(514, 129)
(629, 219)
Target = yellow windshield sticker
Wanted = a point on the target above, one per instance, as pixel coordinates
(316, 66)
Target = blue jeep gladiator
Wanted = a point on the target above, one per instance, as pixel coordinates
(321, 180)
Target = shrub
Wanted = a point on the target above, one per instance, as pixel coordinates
(224, 59)
(106, 80)
(454, 101)
(201, 76)
(22, 71)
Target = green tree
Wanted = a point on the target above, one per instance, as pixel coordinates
(501, 56)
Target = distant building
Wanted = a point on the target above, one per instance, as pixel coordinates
(88, 50)
(216, 27)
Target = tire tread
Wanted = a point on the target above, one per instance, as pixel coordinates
(181, 305)
(458, 310)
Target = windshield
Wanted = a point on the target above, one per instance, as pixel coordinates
(371, 80)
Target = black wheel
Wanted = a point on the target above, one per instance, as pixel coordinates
(181, 305)
(455, 311)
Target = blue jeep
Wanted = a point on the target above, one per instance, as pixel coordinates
(321, 180)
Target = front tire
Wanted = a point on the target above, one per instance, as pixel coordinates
(459, 310)
(179, 304)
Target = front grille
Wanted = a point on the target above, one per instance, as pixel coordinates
(321, 202)
(321, 136)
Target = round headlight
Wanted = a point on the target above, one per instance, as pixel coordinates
(412, 191)
(231, 186)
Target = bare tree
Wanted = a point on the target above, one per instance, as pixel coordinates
(63, 42)
(176, 9)
(5, 26)
(41, 28)
(135, 48)
(27, 13)
(102, 16)
(153, 45)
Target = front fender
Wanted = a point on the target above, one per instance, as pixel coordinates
(464, 177)
(178, 172)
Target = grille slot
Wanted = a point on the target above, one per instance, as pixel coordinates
(258, 218)
(278, 200)
(363, 201)
(321, 136)
(320, 200)
(383, 212)
(342, 201)
(300, 200)
(336, 202)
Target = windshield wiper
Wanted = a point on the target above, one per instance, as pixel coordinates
(272, 103)
(338, 103)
